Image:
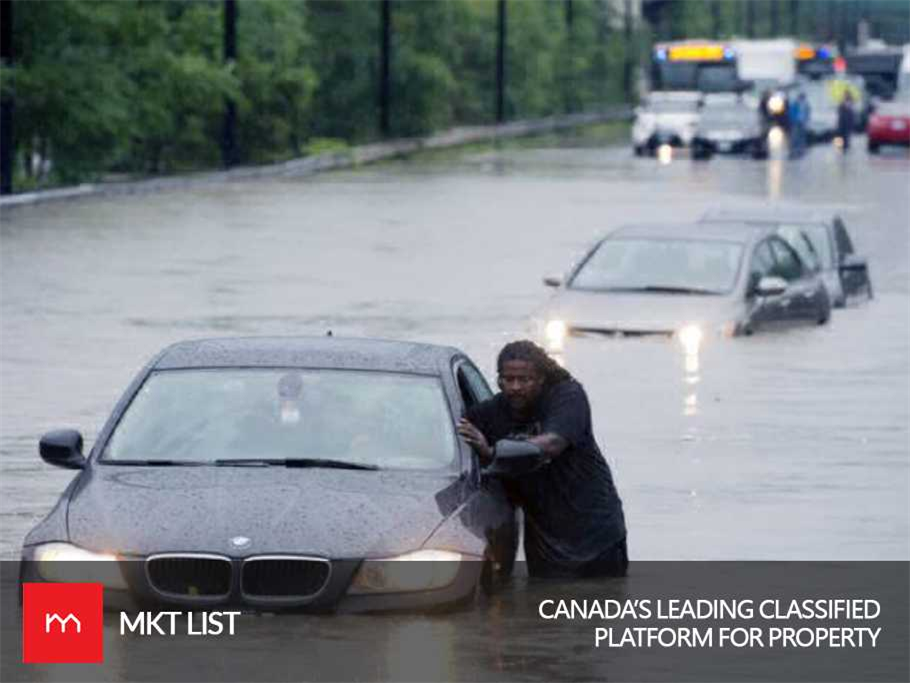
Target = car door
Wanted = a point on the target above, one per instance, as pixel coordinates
(765, 311)
(798, 302)
(490, 509)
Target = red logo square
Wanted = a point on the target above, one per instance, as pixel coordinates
(62, 623)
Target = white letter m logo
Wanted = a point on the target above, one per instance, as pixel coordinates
(51, 618)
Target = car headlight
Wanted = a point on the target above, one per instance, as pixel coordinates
(776, 104)
(555, 332)
(63, 563)
(690, 336)
(422, 570)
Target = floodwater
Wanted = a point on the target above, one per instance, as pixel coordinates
(790, 446)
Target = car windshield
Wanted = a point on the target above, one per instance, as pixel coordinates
(661, 265)
(315, 417)
(818, 236)
(672, 107)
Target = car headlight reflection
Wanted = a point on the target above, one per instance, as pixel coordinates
(556, 331)
(775, 138)
(422, 570)
(67, 563)
(690, 337)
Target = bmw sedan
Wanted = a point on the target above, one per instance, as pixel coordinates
(269, 474)
(684, 281)
(821, 238)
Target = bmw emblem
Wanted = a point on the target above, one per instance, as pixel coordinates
(240, 542)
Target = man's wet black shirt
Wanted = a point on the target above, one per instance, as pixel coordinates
(572, 510)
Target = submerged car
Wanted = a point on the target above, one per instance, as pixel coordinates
(687, 281)
(829, 250)
(729, 125)
(283, 474)
(666, 118)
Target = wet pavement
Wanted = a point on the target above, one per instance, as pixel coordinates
(786, 446)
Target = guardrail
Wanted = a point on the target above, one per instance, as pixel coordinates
(348, 158)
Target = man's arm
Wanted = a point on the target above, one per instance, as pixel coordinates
(566, 419)
(551, 444)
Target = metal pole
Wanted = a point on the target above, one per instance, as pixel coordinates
(7, 150)
(775, 18)
(844, 25)
(715, 19)
(385, 80)
(738, 18)
(750, 19)
(570, 53)
(501, 64)
(630, 51)
(228, 131)
(794, 17)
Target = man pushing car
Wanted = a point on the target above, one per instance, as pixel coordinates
(574, 524)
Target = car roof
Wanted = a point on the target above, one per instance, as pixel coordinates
(307, 352)
(725, 232)
(769, 215)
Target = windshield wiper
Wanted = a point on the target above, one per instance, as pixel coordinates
(672, 290)
(294, 462)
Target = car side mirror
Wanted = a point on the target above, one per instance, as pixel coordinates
(62, 448)
(552, 281)
(770, 285)
(852, 262)
(512, 458)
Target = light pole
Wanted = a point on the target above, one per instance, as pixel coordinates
(7, 152)
(385, 61)
(228, 132)
(501, 63)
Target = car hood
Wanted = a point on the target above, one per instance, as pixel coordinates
(895, 109)
(322, 512)
(669, 120)
(639, 312)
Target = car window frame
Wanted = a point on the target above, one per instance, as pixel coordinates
(803, 270)
(818, 265)
(841, 240)
(462, 363)
(107, 433)
(762, 244)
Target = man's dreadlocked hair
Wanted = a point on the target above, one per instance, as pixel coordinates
(553, 372)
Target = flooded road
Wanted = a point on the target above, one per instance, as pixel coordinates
(786, 446)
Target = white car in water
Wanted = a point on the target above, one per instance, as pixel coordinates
(666, 118)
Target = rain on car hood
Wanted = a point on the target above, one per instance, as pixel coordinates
(639, 311)
(326, 513)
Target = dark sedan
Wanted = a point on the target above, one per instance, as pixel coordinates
(283, 473)
(830, 249)
(684, 281)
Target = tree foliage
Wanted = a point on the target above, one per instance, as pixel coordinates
(140, 86)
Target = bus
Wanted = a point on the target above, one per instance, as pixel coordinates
(815, 61)
(879, 65)
(695, 66)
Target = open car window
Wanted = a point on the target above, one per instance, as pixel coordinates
(379, 419)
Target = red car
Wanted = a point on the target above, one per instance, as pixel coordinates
(890, 124)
